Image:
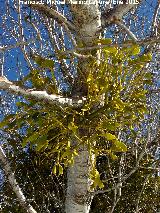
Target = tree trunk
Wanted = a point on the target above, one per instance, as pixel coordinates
(87, 18)
(78, 199)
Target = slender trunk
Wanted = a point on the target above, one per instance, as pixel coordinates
(78, 197)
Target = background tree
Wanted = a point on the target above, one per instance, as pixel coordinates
(99, 106)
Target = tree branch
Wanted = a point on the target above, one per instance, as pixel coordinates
(123, 26)
(140, 194)
(21, 35)
(11, 178)
(117, 13)
(5, 48)
(7, 85)
(51, 13)
(150, 41)
(125, 177)
(155, 20)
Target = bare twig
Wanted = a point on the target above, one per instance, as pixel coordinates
(125, 177)
(133, 37)
(114, 204)
(1, 64)
(51, 13)
(11, 178)
(109, 17)
(55, 44)
(78, 55)
(69, 34)
(37, 31)
(140, 194)
(21, 35)
(5, 48)
(125, 44)
(154, 23)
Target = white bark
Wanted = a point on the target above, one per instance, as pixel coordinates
(40, 95)
(78, 197)
(11, 178)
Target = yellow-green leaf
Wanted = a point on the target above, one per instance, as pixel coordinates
(113, 50)
(43, 62)
(136, 50)
(72, 127)
(103, 41)
(75, 152)
(7, 120)
(113, 156)
(109, 136)
(118, 146)
(60, 169)
(54, 170)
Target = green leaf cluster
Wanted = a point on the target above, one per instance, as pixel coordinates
(116, 101)
(40, 79)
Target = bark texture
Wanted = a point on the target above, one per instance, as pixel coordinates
(52, 99)
(87, 18)
(78, 198)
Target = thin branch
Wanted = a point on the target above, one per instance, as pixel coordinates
(66, 29)
(18, 44)
(11, 178)
(51, 13)
(116, 199)
(39, 37)
(140, 194)
(114, 205)
(125, 44)
(149, 168)
(58, 100)
(154, 30)
(154, 91)
(122, 25)
(125, 177)
(21, 35)
(154, 23)
(2, 64)
(55, 45)
(78, 55)
(117, 13)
